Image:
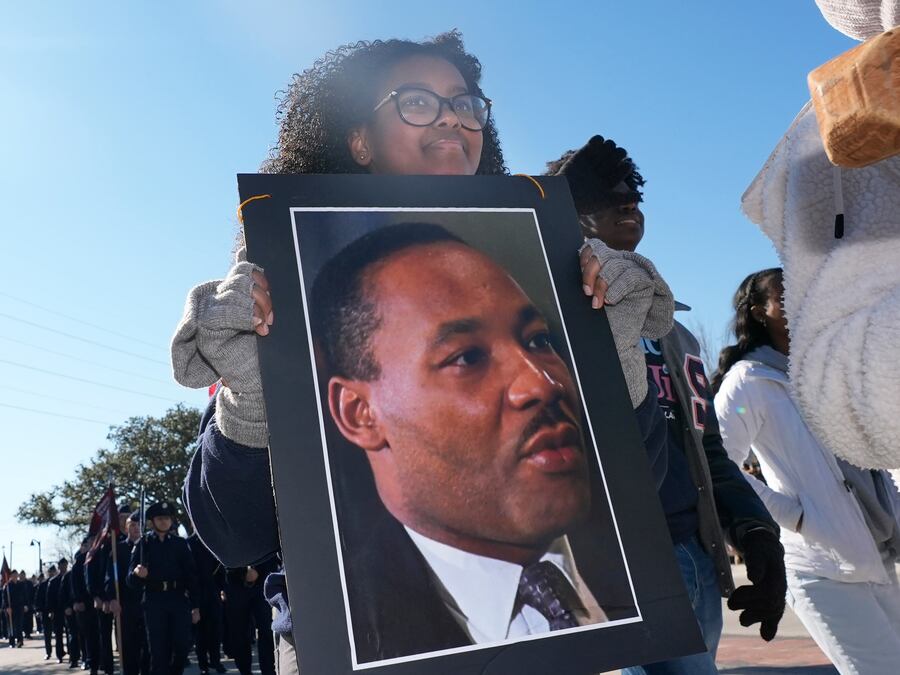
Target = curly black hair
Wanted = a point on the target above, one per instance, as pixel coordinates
(326, 101)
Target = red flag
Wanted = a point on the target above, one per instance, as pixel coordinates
(104, 519)
(4, 572)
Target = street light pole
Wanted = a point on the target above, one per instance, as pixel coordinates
(40, 557)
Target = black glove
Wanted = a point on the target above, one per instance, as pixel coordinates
(763, 601)
(593, 171)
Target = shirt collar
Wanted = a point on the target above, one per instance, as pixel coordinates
(484, 589)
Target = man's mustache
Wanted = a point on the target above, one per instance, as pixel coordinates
(548, 416)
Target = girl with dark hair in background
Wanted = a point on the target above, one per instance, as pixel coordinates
(839, 524)
(383, 107)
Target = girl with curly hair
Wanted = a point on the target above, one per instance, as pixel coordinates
(383, 107)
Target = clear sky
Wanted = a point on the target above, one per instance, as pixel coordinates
(123, 125)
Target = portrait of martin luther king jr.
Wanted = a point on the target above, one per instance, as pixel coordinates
(442, 373)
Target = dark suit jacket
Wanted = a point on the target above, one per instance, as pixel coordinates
(396, 609)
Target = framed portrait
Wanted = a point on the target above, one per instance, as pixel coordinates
(460, 482)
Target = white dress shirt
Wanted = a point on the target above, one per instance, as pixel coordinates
(481, 592)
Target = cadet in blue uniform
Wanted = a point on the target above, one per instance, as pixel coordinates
(45, 612)
(13, 604)
(210, 584)
(85, 614)
(162, 565)
(95, 575)
(57, 616)
(65, 609)
(127, 609)
(28, 590)
(247, 611)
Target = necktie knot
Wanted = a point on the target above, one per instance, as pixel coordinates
(544, 587)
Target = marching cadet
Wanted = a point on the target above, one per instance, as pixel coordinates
(246, 610)
(65, 609)
(210, 584)
(30, 586)
(85, 614)
(56, 610)
(44, 611)
(5, 628)
(95, 575)
(127, 610)
(161, 564)
(14, 607)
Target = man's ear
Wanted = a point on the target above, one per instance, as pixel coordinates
(358, 143)
(348, 403)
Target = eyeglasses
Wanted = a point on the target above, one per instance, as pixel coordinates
(422, 108)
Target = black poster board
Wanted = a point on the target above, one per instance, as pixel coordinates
(342, 547)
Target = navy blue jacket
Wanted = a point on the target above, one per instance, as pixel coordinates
(53, 600)
(40, 597)
(128, 594)
(66, 595)
(78, 581)
(14, 595)
(167, 560)
(210, 573)
(95, 570)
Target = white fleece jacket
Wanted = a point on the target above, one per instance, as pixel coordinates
(842, 296)
(755, 410)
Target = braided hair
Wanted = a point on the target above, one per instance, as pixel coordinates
(755, 290)
(324, 102)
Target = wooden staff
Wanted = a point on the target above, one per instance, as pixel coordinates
(118, 618)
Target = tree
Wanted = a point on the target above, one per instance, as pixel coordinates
(148, 451)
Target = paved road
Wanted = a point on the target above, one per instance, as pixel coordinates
(29, 660)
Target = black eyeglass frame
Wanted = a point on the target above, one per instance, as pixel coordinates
(395, 95)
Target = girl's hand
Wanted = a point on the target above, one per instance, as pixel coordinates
(263, 317)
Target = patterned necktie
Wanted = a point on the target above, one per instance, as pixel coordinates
(544, 587)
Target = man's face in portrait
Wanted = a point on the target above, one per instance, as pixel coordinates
(472, 426)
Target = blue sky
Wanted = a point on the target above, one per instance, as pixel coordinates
(124, 124)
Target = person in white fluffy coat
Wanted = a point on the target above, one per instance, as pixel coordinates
(842, 296)
(839, 524)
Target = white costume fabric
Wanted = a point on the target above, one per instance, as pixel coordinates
(842, 296)
(861, 19)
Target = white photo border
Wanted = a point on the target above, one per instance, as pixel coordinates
(455, 650)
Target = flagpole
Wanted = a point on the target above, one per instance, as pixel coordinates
(143, 527)
(118, 618)
(114, 544)
(7, 567)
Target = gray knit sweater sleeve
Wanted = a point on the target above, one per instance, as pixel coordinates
(639, 304)
(215, 340)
